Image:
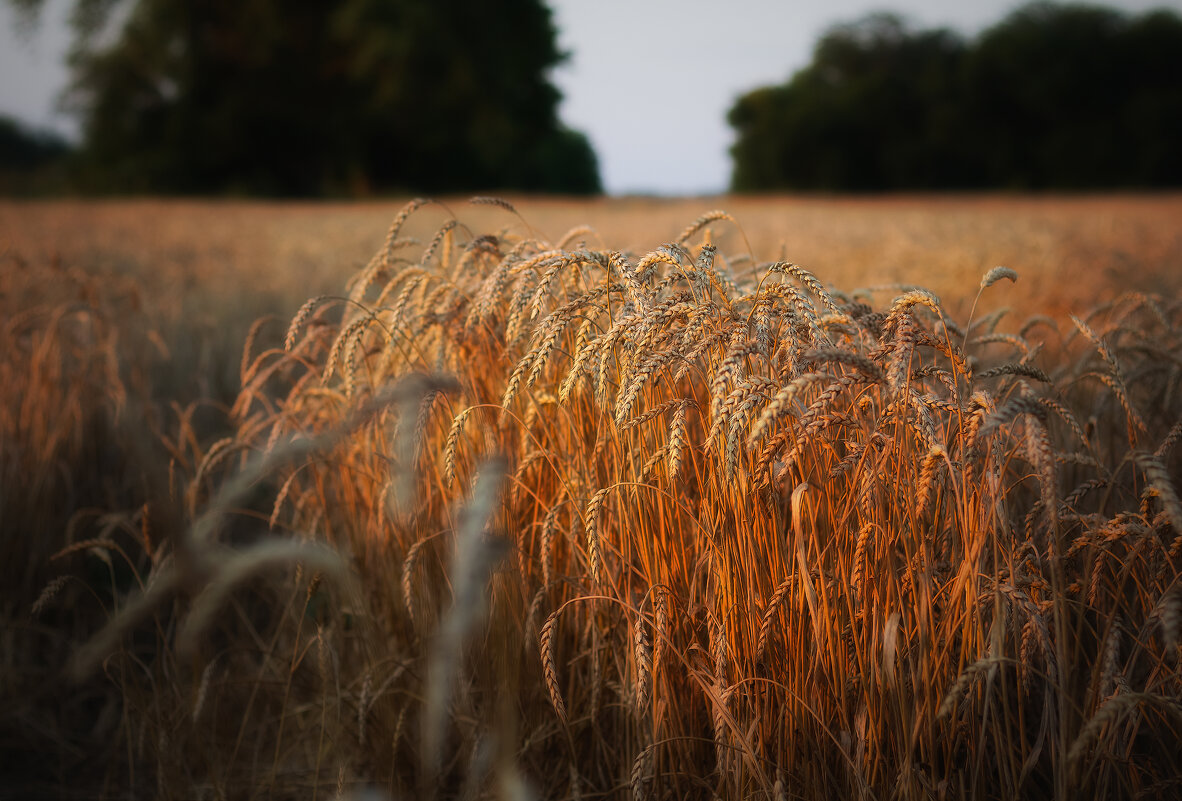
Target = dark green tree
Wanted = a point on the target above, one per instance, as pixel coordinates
(454, 94)
(1052, 97)
(31, 161)
(24, 150)
(1077, 97)
(299, 97)
(875, 108)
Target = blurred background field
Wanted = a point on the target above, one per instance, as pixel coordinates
(245, 258)
(201, 272)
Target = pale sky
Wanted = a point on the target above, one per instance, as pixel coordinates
(649, 81)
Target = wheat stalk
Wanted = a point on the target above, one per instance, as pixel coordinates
(408, 575)
(996, 274)
(701, 222)
(964, 681)
(550, 671)
(642, 768)
(594, 555)
(644, 665)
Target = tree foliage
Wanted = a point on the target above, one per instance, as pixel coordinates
(1054, 96)
(23, 149)
(304, 97)
(31, 161)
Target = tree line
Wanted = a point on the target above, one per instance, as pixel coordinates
(304, 97)
(31, 161)
(1052, 97)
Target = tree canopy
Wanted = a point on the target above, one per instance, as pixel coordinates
(23, 149)
(1054, 96)
(300, 97)
(30, 160)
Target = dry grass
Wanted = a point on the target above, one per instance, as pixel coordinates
(678, 520)
(1073, 252)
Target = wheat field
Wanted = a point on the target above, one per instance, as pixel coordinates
(803, 498)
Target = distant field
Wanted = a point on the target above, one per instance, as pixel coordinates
(488, 505)
(1070, 252)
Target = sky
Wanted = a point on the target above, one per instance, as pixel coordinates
(649, 81)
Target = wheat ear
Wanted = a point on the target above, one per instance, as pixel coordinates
(549, 670)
